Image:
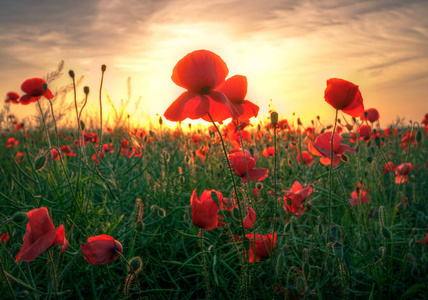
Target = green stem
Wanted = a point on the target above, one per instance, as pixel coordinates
(53, 117)
(329, 177)
(44, 123)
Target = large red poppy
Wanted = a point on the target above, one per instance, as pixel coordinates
(34, 91)
(296, 196)
(237, 161)
(235, 89)
(322, 147)
(205, 210)
(200, 72)
(40, 235)
(345, 96)
(101, 249)
(262, 248)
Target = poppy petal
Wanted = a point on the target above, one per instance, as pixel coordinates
(39, 246)
(235, 88)
(188, 105)
(258, 174)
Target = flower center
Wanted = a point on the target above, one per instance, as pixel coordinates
(205, 90)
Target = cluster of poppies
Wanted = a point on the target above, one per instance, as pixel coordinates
(33, 88)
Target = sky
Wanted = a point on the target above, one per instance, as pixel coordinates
(286, 48)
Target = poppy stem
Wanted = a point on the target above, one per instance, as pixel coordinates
(53, 117)
(103, 69)
(44, 123)
(329, 176)
(51, 261)
(204, 263)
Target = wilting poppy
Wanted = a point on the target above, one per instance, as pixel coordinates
(40, 235)
(235, 89)
(101, 249)
(372, 115)
(262, 246)
(322, 147)
(345, 96)
(34, 91)
(200, 72)
(205, 210)
(237, 162)
(307, 158)
(297, 195)
(402, 171)
(250, 218)
(11, 142)
(12, 97)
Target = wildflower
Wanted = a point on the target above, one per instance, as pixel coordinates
(359, 195)
(250, 218)
(372, 115)
(34, 91)
(389, 167)
(237, 162)
(4, 237)
(18, 156)
(402, 171)
(40, 235)
(205, 210)
(19, 126)
(235, 89)
(11, 142)
(67, 150)
(365, 132)
(200, 72)
(297, 195)
(322, 147)
(202, 153)
(101, 249)
(307, 158)
(269, 151)
(262, 244)
(12, 97)
(344, 95)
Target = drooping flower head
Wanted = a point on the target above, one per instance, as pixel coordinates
(34, 91)
(235, 89)
(12, 97)
(101, 249)
(322, 147)
(345, 96)
(200, 72)
(237, 161)
(296, 196)
(40, 235)
(205, 210)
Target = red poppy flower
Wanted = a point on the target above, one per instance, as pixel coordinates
(269, 151)
(18, 156)
(263, 246)
(228, 204)
(12, 97)
(402, 171)
(67, 150)
(4, 237)
(237, 162)
(200, 72)
(34, 91)
(55, 154)
(297, 195)
(250, 218)
(235, 89)
(372, 115)
(100, 249)
(365, 132)
(389, 167)
(11, 142)
(359, 195)
(345, 96)
(307, 158)
(19, 126)
(425, 120)
(322, 147)
(202, 153)
(40, 235)
(205, 210)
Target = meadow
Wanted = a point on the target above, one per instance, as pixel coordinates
(237, 210)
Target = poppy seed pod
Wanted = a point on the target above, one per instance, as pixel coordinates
(86, 90)
(103, 68)
(274, 117)
(71, 73)
(20, 217)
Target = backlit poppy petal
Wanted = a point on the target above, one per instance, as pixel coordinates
(235, 88)
(188, 105)
(258, 174)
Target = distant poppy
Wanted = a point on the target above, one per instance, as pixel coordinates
(372, 115)
(425, 120)
(269, 151)
(402, 172)
(359, 195)
(322, 147)
(365, 132)
(228, 204)
(11, 142)
(200, 72)
(345, 96)
(202, 153)
(67, 150)
(237, 162)
(18, 156)
(389, 167)
(296, 196)
(101, 249)
(19, 126)
(34, 91)
(235, 89)
(12, 97)
(4, 237)
(262, 248)
(307, 158)
(250, 218)
(55, 154)
(40, 235)
(205, 210)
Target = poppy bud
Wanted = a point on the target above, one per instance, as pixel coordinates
(103, 68)
(101, 249)
(71, 73)
(20, 217)
(386, 233)
(136, 264)
(274, 118)
(334, 230)
(246, 243)
(298, 121)
(45, 87)
(259, 185)
(419, 136)
(287, 227)
(280, 263)
(369, 159)
(339, 121)
(338, 250)
(377, 141)
(82, 125)
(86, 90)
(354, 120)
(306, 270)
(40, 163)
(160, 121)
(301, 285)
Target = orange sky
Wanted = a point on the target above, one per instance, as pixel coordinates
(287, 50)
